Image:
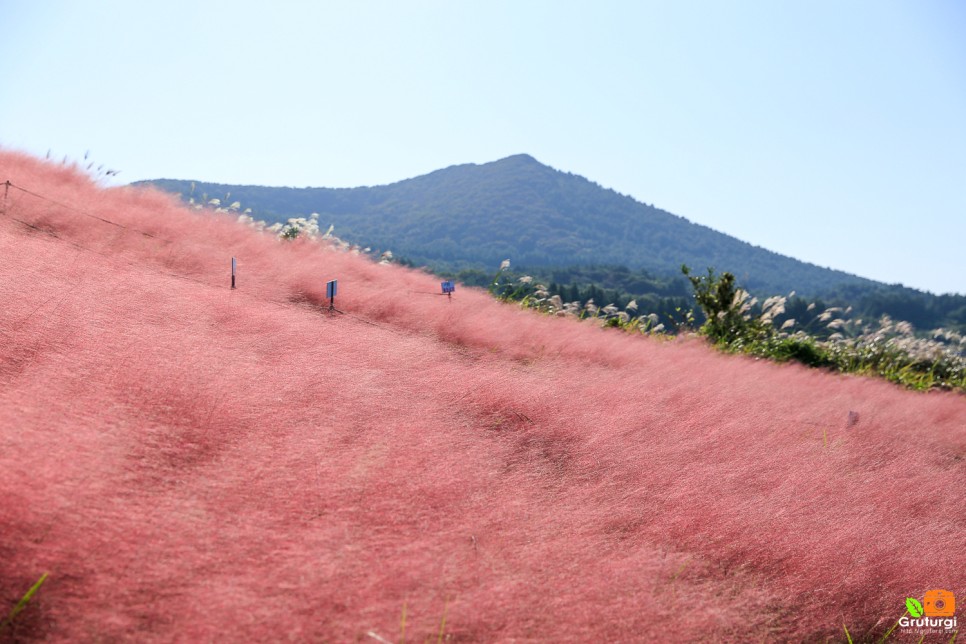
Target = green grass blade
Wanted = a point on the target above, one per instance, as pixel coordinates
(442, 624)
(23, 601)
(889, 632)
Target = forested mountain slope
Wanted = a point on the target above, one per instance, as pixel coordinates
(478, 215)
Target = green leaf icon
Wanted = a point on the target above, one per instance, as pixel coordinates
(914, 607)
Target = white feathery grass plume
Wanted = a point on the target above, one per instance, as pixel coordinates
(739, 297)
(741, 302)
(827, 314)
(773, 307)
(904, 328)
(772, 302)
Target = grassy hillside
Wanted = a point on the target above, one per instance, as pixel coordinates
(477, 215)
(193, 463)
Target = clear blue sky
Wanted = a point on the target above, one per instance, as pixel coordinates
(831, 131)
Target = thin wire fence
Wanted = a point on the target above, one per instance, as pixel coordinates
(5, 211)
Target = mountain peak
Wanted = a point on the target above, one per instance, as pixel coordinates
(519, 159)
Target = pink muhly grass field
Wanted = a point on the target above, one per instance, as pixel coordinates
(193, 463)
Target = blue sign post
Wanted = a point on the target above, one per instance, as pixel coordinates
(331, 288)
(448, 288)
(233, 272)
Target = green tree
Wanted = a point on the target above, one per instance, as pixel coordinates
(724, 306)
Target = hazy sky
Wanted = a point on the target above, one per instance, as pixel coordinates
(834, 132)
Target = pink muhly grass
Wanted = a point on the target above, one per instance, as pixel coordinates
(194, 463)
